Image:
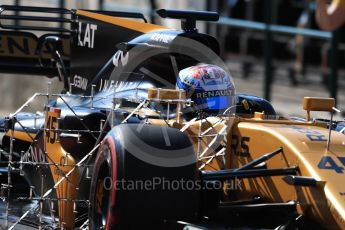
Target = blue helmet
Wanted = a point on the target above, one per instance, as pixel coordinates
(209, 86)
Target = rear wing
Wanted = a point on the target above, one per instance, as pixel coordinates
(20, 47)
(22, 35)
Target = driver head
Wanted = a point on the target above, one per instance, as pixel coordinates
(209, 86)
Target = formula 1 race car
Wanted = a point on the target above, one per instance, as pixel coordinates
(148, 131)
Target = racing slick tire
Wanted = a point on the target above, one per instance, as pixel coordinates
(125, 191)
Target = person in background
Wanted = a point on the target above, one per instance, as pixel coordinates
(330, 17)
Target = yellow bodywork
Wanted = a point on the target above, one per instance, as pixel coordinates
(61, 164)
(22, 135)
(123, 22)
(305, 146)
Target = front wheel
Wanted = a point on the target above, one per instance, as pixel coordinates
(127, 190)
(101, 194)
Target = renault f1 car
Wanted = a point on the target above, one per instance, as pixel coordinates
(149, 132)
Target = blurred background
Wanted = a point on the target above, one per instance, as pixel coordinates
(274, 49)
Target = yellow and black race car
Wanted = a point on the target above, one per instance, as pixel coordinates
(150, 132)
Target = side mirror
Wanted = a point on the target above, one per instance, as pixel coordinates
(317, 104)
(54, 45)
(51, 44)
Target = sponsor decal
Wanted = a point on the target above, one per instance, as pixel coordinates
(312, 135)
(109, 85)
(23, 44)
(216, 93)
(163, 38)
(12, 45)
(120, 57)
(34, 154)
(86, 35)
(80, 82)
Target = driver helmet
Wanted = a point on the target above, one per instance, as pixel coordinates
(209, 86)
